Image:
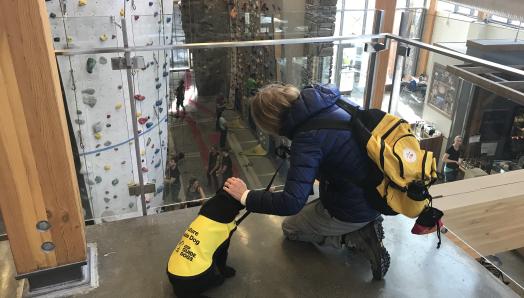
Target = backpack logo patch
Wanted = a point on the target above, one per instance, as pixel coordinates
(409, 155)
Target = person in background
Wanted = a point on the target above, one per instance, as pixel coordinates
(226, 166)
(194, 192)
(172, 182)
(452, 160)
(222, 125)
(212, 181)
(342, 216)
(180, 96)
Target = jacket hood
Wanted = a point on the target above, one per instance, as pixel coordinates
(312, 101)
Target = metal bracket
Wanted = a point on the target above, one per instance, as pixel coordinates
(374, 47)
(118, 63)
(403, 51)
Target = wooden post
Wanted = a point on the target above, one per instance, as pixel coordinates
(388, 6)
(37, 177)
(427, 36)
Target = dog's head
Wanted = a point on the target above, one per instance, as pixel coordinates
(222, 207)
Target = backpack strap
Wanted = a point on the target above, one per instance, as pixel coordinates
(314, 124)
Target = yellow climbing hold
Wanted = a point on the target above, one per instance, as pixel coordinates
(98, 136)
(107, 167)
(138, 114)
(103, 37)
(82, 2)
(118, 106)
(142, 152)
(69, 39)
(122, 12)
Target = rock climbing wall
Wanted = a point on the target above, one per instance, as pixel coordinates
(98, 99)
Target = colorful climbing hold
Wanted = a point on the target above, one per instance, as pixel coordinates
(97, 146)
(149, 124)
(52, 15)
(115, 181)
(89, 100)
(98, 154)
(158, 164)
(136, 18)
(107, 167)
(122, 12)
(160, 110)
(103, 37)
(150, 3)
(155, 14)
(123, 162)
(56, 39)
(116, 148)
(107, 200)
(90, 182)
(79, 121)
(119, 87)
(97, 127)
(107, 143)
(165, 74)
(98, 179)
(115, 196)
(156, 79)
(82, 2)
(131, 205)
(158, 85)
(138, 114)
(107, 192)
(113, 36)
(90, 65)
(69, 39)
(102, 60)
(143, 120)
(108, 124)
(139, 97)
(108, 116)
(89, 91)
(142, 152)
(98, 136)
(145, 170)
(157, 150)
(118, 106)
(168, 19)
(158, 102)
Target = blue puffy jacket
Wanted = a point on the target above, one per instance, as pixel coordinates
(330, 155)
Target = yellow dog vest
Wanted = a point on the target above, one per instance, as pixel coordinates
(194, 253)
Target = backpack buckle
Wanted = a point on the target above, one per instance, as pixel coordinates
(418, 191)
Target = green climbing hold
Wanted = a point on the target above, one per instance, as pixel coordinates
(102, 60)
(89, 100)
(115, 181)
(90, 65)
(107, 200)
(78, 112)
(89, 91)
(107, 143)
(98, 179)
(131, 205)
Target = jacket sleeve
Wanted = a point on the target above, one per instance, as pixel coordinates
(305, 158)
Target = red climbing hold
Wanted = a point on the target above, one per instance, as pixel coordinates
(143, 120)
(139, 97)
(145, 170)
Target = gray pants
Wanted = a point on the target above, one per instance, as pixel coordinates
(314, 224)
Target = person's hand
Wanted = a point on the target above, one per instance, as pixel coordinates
(235, 187)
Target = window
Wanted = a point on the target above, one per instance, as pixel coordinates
(464, 10)
(499, 19)
(445, 6)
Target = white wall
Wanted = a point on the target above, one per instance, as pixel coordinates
(115, 160)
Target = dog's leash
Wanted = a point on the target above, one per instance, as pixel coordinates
(281, 151)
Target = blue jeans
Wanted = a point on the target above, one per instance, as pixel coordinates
(450, 175)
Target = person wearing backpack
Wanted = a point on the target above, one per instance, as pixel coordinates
(342, 217)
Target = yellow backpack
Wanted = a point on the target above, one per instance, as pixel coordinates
(401, 172)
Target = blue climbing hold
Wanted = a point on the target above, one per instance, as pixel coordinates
(158, 85)
(158, 164)
(165, 74)
(157, 151)
(160, 110)
(168, 19)
(160, 189)
(149, 124)
(158, 103)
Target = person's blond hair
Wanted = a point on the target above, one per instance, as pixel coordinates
(269, 103)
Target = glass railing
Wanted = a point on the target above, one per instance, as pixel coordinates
(171, 148)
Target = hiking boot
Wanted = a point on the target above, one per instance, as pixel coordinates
(368, 240)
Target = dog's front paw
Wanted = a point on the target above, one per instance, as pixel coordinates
(228, 272)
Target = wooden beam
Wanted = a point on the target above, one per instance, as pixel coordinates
(485, 212)
(37, 180)
(427, 36)
(381, 69)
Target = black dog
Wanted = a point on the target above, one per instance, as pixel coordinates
(198, 262)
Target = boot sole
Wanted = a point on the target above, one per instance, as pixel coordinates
(372, 247)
